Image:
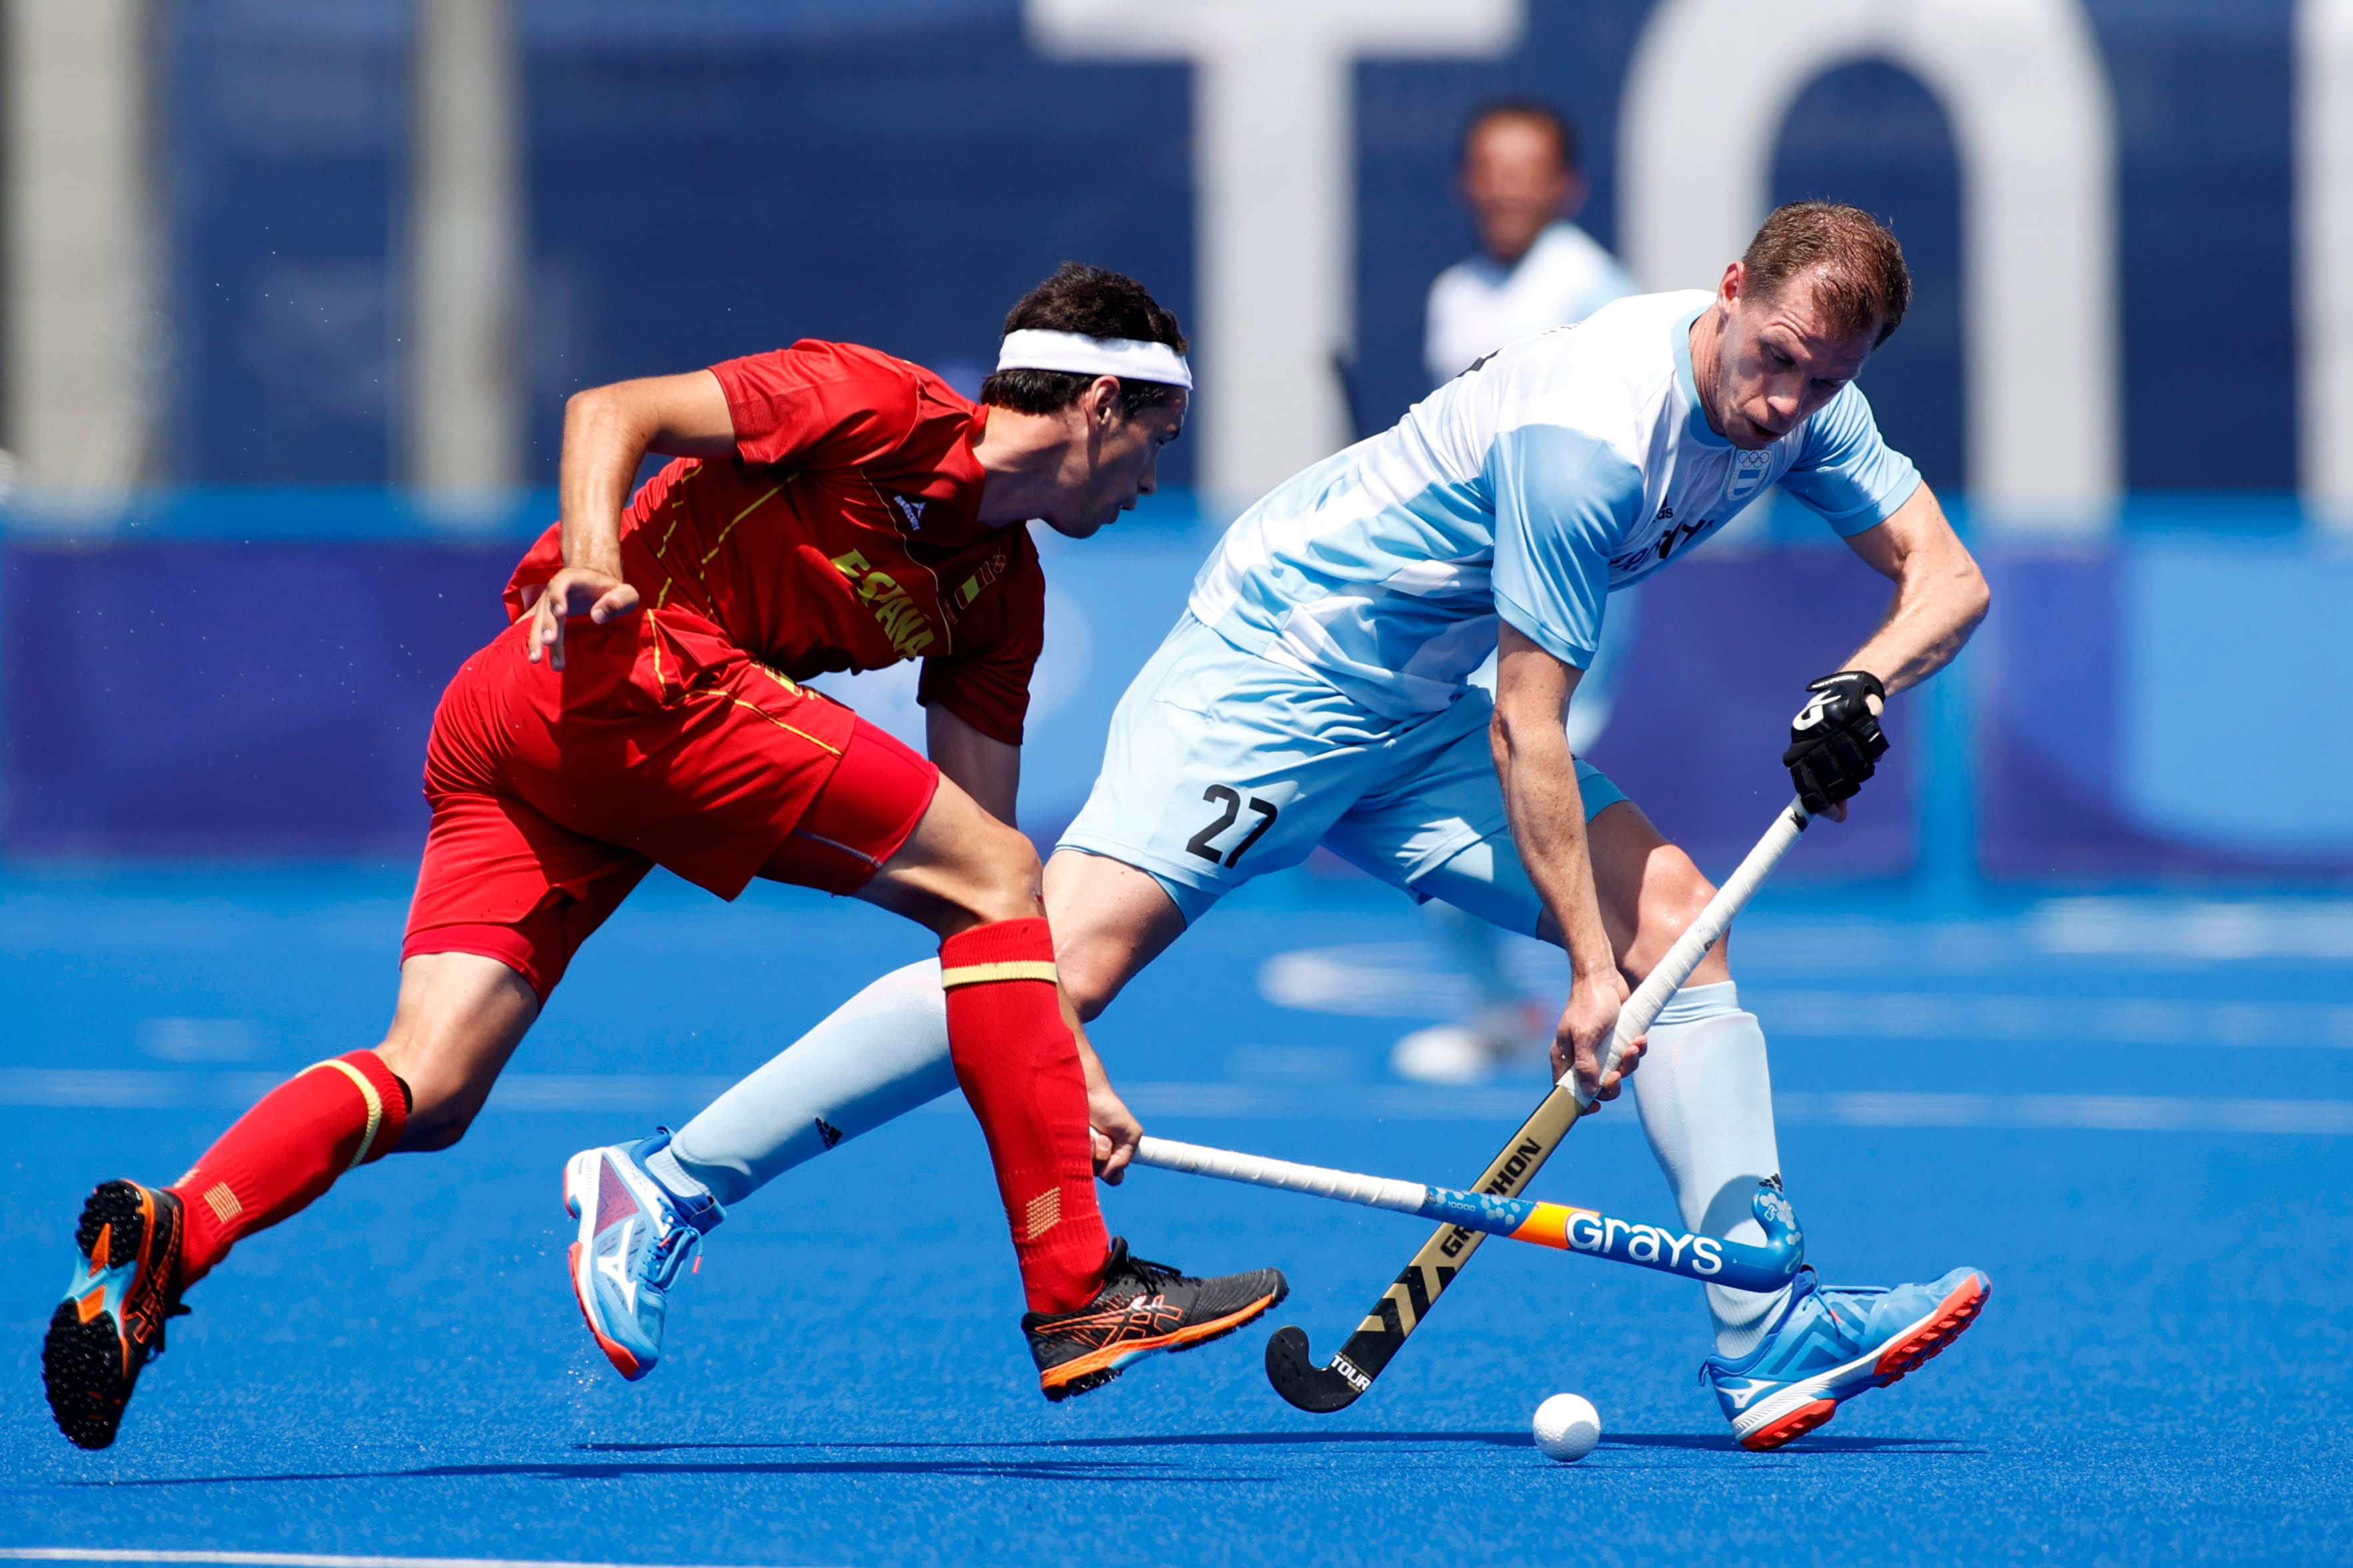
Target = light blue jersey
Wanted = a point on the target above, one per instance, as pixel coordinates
(1530, 487)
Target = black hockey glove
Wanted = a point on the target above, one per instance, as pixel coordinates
(1834, 741)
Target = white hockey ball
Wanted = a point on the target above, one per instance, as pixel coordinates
(1567, 1428)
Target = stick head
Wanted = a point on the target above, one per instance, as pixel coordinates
(1320, 1390)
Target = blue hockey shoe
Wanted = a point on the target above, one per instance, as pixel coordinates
(635, 1237)
(1831, 1343)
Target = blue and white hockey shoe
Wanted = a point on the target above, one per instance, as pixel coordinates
(635, 1237)
(1831, 1343)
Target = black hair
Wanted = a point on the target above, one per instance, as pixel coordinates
(1095, 303)
(1563, 129)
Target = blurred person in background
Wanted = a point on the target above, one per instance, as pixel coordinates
(1535, 269)
(1520, 176)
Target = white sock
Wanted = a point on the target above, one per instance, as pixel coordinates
(1707, 1108)
(877, 1056)
(663, 1163)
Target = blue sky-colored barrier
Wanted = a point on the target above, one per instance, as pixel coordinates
(228, 673)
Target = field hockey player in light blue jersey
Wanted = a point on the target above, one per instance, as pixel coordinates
(1317, 693)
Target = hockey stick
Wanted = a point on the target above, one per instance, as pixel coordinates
(1741, 1265)
(1291, 1366)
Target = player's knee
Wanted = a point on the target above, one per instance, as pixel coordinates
(1676, 889)
(1684, 890)
(444, 1096)
(1002, 878)
(439, 1127)
(1091, 976)
(440, 1106)
(1674, 894)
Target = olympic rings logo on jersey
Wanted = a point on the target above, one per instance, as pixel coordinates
(1748, 472)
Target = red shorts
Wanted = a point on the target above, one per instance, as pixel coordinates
(658, 744)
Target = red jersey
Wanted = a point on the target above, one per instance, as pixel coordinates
(844, 534)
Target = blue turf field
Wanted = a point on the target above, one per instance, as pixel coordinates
(2137, 1115)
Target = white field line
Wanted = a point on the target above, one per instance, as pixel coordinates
(134, 1090)
(2123, 926)
(2084, 1020)
(1391, 980)
(1378, 1102)
(2055, 1112)
(283, 1558)
(2208, 930)
(2070, 1112)
(145, 1089)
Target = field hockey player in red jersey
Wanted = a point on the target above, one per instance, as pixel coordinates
(828, 508)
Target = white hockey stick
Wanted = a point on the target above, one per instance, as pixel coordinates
(1741, 1265)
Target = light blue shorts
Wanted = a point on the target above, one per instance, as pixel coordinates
(1223, 765)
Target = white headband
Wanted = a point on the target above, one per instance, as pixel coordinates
(1134, 359)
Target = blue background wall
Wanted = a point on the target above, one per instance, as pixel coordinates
(245, 663)
(712, 176)
(240, 675)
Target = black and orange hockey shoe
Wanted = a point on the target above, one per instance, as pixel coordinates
(126, 1283)
(1142, 1308)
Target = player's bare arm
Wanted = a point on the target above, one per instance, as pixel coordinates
(608, 432)
(1940, 595)
(991, 772)
(1764, 361)
(1547, 817)
(984, 767)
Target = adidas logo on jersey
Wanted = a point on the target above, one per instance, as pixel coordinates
(912, 509)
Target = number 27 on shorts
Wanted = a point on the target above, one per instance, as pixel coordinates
(1229, 800)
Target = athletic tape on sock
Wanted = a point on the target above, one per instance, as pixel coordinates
(985, 973)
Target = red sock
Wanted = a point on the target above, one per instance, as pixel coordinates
(286, 1151)
(1019, 1068)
